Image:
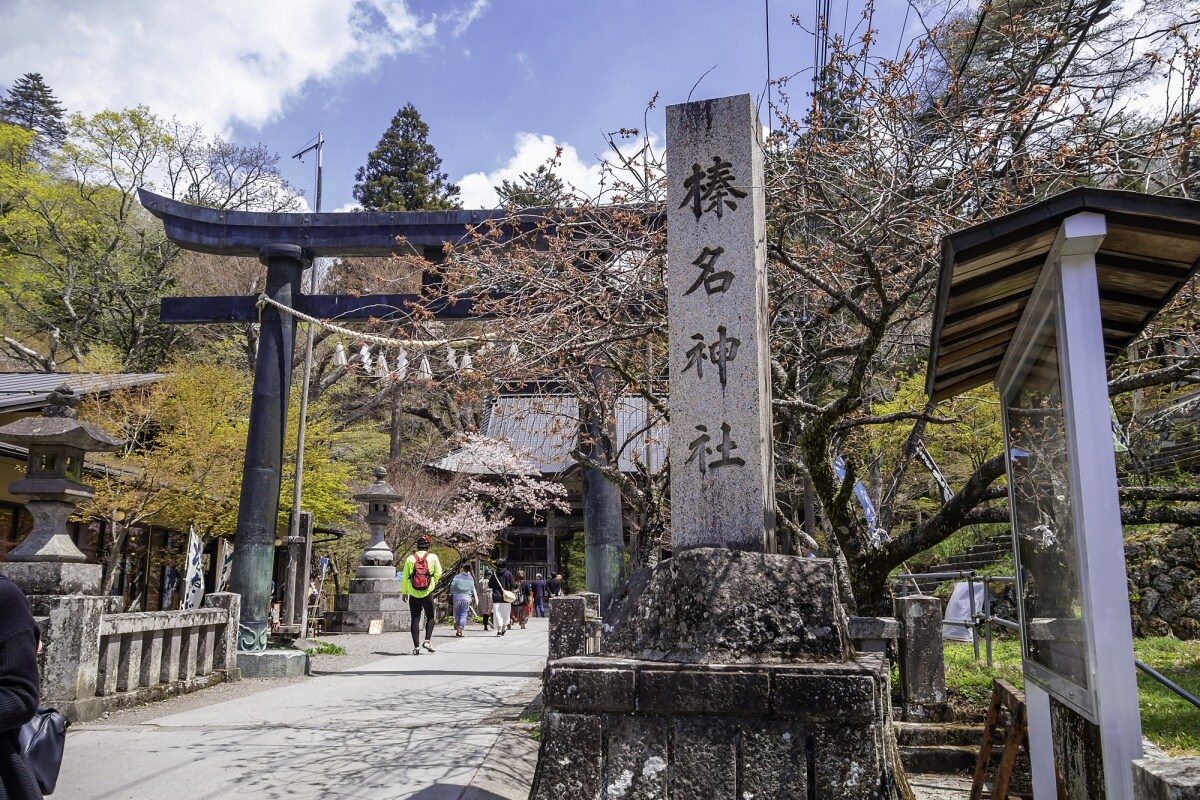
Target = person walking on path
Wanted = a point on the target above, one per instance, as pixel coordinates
(539, 596)
(18, 690)
(524, 602)
(462, 592)
(483, 603)
(501, 582)
(420, 576)
(554, 585)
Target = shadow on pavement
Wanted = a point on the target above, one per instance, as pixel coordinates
(372, 747)
(358, 673)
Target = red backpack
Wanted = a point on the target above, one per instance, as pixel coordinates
(420, 573)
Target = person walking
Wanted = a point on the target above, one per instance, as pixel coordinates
(462, 592)
(539, 596)
(501, 582)
(18, 690)
(420, 576)
(554, 585)
(524, 602)
(484, 602)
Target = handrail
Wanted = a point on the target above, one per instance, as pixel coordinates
(900, 576)
(1170, 684)
(987, 620)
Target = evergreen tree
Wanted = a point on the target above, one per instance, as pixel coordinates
(538, 189)
(404, 172)
(32, 105)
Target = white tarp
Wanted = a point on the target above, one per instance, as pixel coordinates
(958, 609)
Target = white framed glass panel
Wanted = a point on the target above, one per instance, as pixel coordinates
(1046, 551)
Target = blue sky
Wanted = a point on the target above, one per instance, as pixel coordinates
(500, 82)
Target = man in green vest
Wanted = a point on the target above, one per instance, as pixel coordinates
(422, 571)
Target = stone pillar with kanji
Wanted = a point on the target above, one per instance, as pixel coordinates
(727, 670)
(722, 471)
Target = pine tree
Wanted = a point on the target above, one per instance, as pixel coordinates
(538, 189)
(32, 105)
(404, 172)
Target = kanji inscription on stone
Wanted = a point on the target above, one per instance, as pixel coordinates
(722, 474)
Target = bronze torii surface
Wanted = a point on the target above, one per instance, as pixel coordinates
(286, 243)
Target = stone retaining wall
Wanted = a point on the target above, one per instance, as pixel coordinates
(1164, 584)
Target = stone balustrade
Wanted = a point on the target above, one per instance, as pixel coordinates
(96, 660)
(147, 650)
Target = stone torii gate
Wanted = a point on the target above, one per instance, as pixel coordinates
(287, 243)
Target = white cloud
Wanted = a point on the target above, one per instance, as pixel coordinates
(530, 151)
(463, 19)
(211, 62)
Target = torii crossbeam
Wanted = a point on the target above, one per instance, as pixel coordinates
(286, 244)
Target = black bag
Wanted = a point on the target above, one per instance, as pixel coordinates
(41, 741)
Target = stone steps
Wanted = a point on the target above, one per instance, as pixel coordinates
(943, 748)
(948, 733)
(941, 759)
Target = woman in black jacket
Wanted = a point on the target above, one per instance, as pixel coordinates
(18, 690)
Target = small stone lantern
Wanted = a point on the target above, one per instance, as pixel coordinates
(377, 561)
(47, 561)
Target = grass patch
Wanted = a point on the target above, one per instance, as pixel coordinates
(1167, 720)
(969, 684)
(325, 649)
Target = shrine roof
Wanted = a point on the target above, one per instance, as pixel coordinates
(545, 427)
(27, 391)
(1151, 249)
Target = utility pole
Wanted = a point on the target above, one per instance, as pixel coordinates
(296, 588)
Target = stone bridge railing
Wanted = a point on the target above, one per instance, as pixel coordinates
(95, 660)
(150, 650)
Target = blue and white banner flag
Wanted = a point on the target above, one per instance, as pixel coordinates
(927, 460)
(194, 584)
(864, 499)
(226, 565)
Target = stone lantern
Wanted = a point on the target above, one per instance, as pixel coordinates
(374, 601)
(377, 561)
(47, 561)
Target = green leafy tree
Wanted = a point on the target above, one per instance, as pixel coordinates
(538, 189)
(82, 265)
(32, 105)
(185, 440)
(404, 172)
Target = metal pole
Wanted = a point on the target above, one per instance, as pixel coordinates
(974, 622)
(987, 631)
(298, 572)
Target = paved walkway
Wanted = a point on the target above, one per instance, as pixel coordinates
(433, 727)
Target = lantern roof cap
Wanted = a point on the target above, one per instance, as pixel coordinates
(379, 491)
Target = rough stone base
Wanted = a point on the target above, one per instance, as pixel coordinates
(54, 578)
(273, 664)
(724, 606)
(642, 729)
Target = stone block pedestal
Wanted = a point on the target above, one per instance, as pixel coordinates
(54, 577)
(369, 599)
(708, 689)
(272, 664)
(629, 728)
